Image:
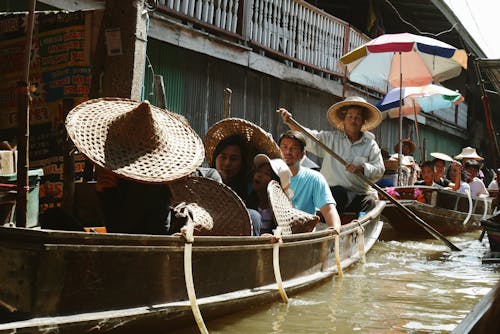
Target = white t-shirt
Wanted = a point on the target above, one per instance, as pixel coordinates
(493, 185)
(464, 188)
(477, 187)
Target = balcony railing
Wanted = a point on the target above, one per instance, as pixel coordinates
(293, 29)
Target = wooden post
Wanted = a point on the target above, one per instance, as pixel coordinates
(227, 102)
(159, 87)
(124, 72)
(23, 105)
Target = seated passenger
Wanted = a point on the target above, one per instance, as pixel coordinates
(310, 189)
(427, 175)
(230, 146)
(439, 162)
(139, 148)
(457, 178)
(477, 187)
(267, 170)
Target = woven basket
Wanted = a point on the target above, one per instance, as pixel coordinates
(391, 165)
(287, 217)
(229, 214)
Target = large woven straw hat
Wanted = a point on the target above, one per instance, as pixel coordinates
(468, 153)
(258, 140)
(336, 113)
(406, 142)
(135, 140)
(291, 220)
(228, 212)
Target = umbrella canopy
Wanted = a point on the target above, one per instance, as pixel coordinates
(414, 99)
(419, 59)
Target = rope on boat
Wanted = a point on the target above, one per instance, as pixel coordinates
(337, 251)
(469, 214)
(485, 211)
(361, 235)
(187, 232)
(276, 264)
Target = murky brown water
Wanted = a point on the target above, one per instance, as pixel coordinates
(405, 287)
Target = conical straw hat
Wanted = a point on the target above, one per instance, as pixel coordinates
(258, 140)
(336, 113)
(135, 139)
(228, 212)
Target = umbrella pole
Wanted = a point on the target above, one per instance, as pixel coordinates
(23, 127)
(400, 153)
(417, 130)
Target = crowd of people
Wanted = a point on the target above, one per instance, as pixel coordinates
(139, 148)
(464, 172)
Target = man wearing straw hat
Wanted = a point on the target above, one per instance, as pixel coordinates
(138, 148)
(469, 153)
(352, 119)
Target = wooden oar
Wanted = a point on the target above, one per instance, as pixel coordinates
(398, 205)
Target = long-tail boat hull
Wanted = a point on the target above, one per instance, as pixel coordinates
(74, 282)
(447, 211)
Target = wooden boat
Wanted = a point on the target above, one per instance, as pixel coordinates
(447, 211)
(73, 282)
(491, 226)
(483, 317)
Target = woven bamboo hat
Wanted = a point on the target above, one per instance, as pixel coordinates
(337, 112)
(135, 140)
(407, 142)
(468, 153)
(291, 220)
(258, 140)
(227, 210)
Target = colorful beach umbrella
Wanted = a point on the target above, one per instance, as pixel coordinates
(403, 60)
(421, 98)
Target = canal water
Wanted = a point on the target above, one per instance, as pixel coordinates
(404, 287)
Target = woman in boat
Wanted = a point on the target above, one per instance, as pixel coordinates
(138, 149)
(457, 177)
(439, 163)
(267, 169)
(230, 147)
(230, 159)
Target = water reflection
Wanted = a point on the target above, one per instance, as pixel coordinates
(405, 287)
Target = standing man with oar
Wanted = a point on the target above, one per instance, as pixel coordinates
(351, 140)
(288, 119)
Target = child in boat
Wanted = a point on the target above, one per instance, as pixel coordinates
(427, 175)
(267, 169)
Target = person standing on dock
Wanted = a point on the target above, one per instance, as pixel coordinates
(351, 139)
